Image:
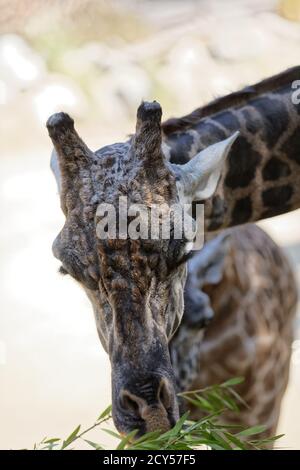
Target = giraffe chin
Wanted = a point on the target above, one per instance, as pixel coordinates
(154, 418)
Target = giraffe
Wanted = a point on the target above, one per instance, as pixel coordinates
(240, 303)
(136, 286)
(260, 178)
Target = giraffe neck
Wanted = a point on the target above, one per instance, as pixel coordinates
(254, 304)
(261, 177)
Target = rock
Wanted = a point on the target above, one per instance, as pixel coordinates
(188, 53)
(91, 58)
(118, 92)
(239, 41)
(184, 71)
(58, 93)
(20, 66)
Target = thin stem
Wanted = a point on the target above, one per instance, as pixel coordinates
(79, 436)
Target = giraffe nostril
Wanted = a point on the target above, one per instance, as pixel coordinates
(165, 394)
(134, 404)
(130, 403)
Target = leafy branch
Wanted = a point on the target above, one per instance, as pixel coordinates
(208, 431)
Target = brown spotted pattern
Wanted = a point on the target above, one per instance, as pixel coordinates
(137, 286)
(261, 178)
(254, 303)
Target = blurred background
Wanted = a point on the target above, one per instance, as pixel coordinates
(96, 60)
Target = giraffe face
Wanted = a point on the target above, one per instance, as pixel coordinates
(135, 284)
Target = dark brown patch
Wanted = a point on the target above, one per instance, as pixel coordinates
(274, 116)
(217, 213)
(109, 162)
(210, 133)
(276, 211)
(181, 144)
(228, 120)
(252, 123)
(291, 147)
(275, 169)
(274, 197)
(242, 163)
(242, 211)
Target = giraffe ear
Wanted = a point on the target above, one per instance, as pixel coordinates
(55, 169)
(198, 179)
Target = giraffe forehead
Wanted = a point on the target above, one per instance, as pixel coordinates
(116, 166)
(139, 253)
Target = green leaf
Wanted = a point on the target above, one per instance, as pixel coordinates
(238, 398)
(237, 442)
(180, 446)
(215, 446)
(112, 433)
(226, 401)
(215, 400)
(94, 444)
(232, 382)
(186, 434)
(177, 428)
(192, 401)
(220, 440)
(268, 440)
(50, 441)
(203, 403)
(149, 436)
(71, 437)
(252, 431)
(105, 413)
(126, 439)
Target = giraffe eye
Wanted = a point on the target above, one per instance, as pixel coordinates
(178, 255)
(184, 259)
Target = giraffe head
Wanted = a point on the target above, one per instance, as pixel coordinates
(135, 284)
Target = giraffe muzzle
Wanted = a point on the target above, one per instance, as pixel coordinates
(152, 406)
